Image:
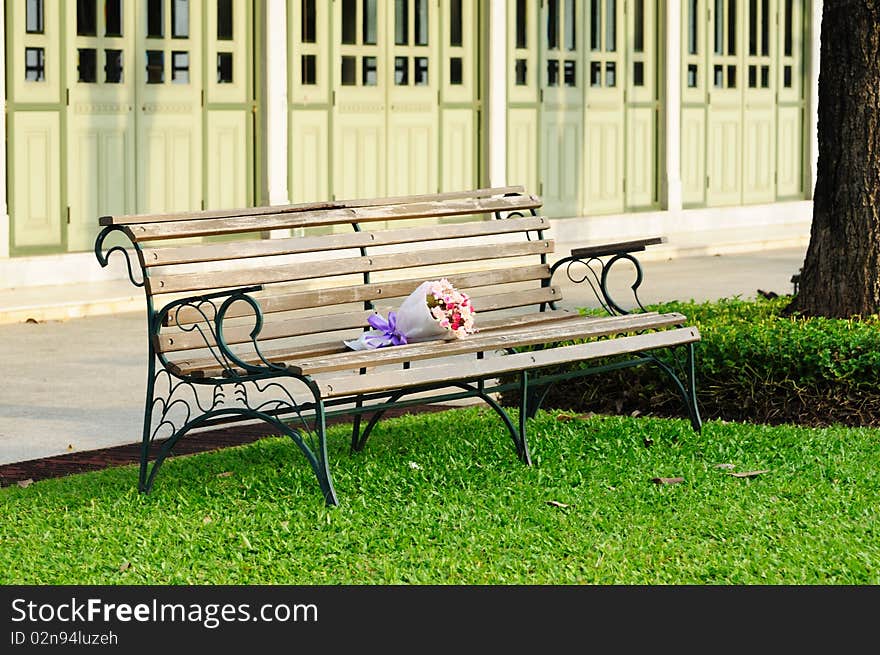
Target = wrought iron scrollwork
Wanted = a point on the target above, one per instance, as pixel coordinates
(104, 257)
(595, 272)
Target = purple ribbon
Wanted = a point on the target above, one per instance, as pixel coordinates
(390, 335)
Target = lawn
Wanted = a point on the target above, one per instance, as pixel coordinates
(442, 499)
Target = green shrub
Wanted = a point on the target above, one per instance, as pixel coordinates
(753, 363)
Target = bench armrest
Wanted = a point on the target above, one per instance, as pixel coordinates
(213, 317)
(592, 264)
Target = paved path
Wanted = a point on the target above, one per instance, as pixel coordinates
(79, 384)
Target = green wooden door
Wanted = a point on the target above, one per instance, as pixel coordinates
(605, 119)
(168, 72)
(724, 140)
(229, 104)
(694, 101)
(523, 93)
(562, 119)
(360, 81)
(35, 105)
(791, 106)
(587, 74)
(742, 139)
(642, 105)
(100, 162)
(759, 102)
(374, 84)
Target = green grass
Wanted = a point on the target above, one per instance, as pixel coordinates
(437, 499)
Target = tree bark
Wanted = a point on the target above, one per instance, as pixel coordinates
(841, 273)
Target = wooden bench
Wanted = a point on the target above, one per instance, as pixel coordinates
(244, 328)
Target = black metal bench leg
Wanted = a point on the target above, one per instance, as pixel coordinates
(356, 428)
(693, 408)
(688, 393)
(321, 466)
(143, 485)
(522, 445)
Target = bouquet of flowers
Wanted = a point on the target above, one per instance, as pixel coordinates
(435, 310)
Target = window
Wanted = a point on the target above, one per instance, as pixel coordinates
(420, 72)
(349, 21)
(307, 29)
(308, 69)
(113, 66)
(520, 70)
(180, 20)
(368, 71)
(348, 71)
(113, 18)
(155, 66)
(569, 72)
(401, 71)
(224, 68)
(87, 17)
(33, 22)
(87, 65)
(401, 22)
(369, 22)
(224, 20)
(180, 67)
(155, 20)
(521, 24)
(455, 70)
(34, 65)
(455, 23)
(421, 25)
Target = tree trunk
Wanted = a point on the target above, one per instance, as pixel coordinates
(841, 273)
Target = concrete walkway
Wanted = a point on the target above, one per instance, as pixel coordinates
(78, 384)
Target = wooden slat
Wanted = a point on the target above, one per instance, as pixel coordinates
(342, 266)
(200, 365)
(602, 249)
(588, 328)
(282, 302)
(205, 367)
(164, 256)
(231, 225)
(492, 366)
(173, 340)
(306, 206)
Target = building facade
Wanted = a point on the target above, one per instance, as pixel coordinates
(627, 116)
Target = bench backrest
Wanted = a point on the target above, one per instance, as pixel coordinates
(323, 281)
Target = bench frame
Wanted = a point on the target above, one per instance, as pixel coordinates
(257, 390)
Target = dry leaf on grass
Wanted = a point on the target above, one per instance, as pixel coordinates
(124, 567)
(749, 474)
(556, 503)
(729, 467)
(24, 484)
(225, 474)
(667, 480)
(207, 520)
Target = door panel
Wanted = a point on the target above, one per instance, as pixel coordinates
(693, 155)
(36, 190)
(522, 147)
(169, 128)
(641, 156)
(458, 149)
(790, 148)
(101, 160)
(562, 120)
(309, 149)
(227, 159)
(229, 105)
